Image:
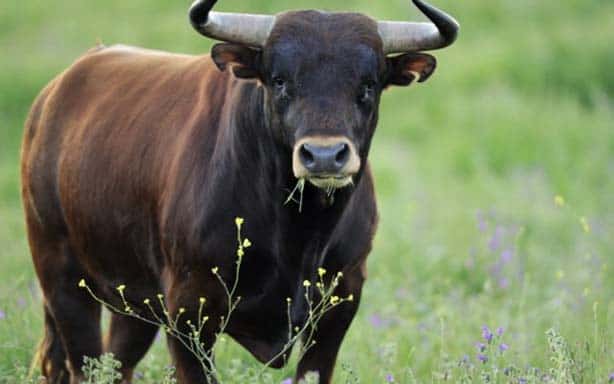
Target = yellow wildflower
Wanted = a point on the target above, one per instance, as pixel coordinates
(239, 221)
(202, 300)
(214, 270)
(306, 284)
(559, 201)
(82, 283)
(585, 225)
(121, 288)
(146, 301)
(334, 300)
(247, 243)
(321, 272)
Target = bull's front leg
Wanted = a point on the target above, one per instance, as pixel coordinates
(189, 367)
(188, 308)
(328, 336)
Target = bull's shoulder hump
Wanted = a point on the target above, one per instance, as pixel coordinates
(132, 50)
(130, 54)
(133, 62)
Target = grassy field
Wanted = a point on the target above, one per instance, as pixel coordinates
(467, 168)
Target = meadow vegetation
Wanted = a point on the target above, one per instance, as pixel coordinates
(495, 181)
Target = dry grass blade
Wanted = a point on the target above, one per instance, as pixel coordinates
(300, 186)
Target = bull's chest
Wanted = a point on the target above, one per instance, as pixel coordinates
(272, 302)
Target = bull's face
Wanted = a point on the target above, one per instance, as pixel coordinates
(323, 90)
(323, 75)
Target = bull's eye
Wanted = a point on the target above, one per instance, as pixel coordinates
(367, 92)
(279, 83)
(280, 88)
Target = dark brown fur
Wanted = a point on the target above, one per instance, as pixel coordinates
(135, 164)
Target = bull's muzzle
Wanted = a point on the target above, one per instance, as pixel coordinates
(326, 162)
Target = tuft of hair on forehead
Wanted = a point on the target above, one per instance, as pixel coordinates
(326, 28)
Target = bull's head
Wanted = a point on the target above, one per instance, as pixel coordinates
(324, 74)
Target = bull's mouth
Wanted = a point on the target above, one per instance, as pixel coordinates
(329, 182)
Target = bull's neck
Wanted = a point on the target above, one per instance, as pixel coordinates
(254, 162)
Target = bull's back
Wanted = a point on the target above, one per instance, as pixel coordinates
(103, 138)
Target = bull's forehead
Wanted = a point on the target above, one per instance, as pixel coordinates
(326, 30)
(304, 40)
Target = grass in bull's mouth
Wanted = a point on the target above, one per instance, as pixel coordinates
(330, 193)
(300, 187)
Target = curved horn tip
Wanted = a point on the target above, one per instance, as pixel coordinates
(447, 25)
(199, 11)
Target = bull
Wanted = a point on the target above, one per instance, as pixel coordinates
(135, 163)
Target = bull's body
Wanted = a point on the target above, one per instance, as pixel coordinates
(135, 164)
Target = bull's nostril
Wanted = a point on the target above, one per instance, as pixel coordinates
(306, 156)
(343, 155)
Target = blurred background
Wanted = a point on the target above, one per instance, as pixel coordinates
(467, 168)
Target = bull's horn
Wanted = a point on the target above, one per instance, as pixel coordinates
(408, 37)
(251, 30)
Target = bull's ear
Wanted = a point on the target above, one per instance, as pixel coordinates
(407, 68)
(244, 61)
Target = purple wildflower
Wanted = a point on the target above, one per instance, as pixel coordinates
(423, 327)
(376, 321)
(500, 331)
(2, 315)
(389, 378)
(379, 321)
(506, 256)
(504, 283)
(482, 225)
(522, 380)
(482, 358)
(611, 378)
(287, 381)
(503, 347)
(495, 241)
(486, 334)
(481, 347)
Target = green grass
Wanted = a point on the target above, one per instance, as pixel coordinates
(521, 109)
